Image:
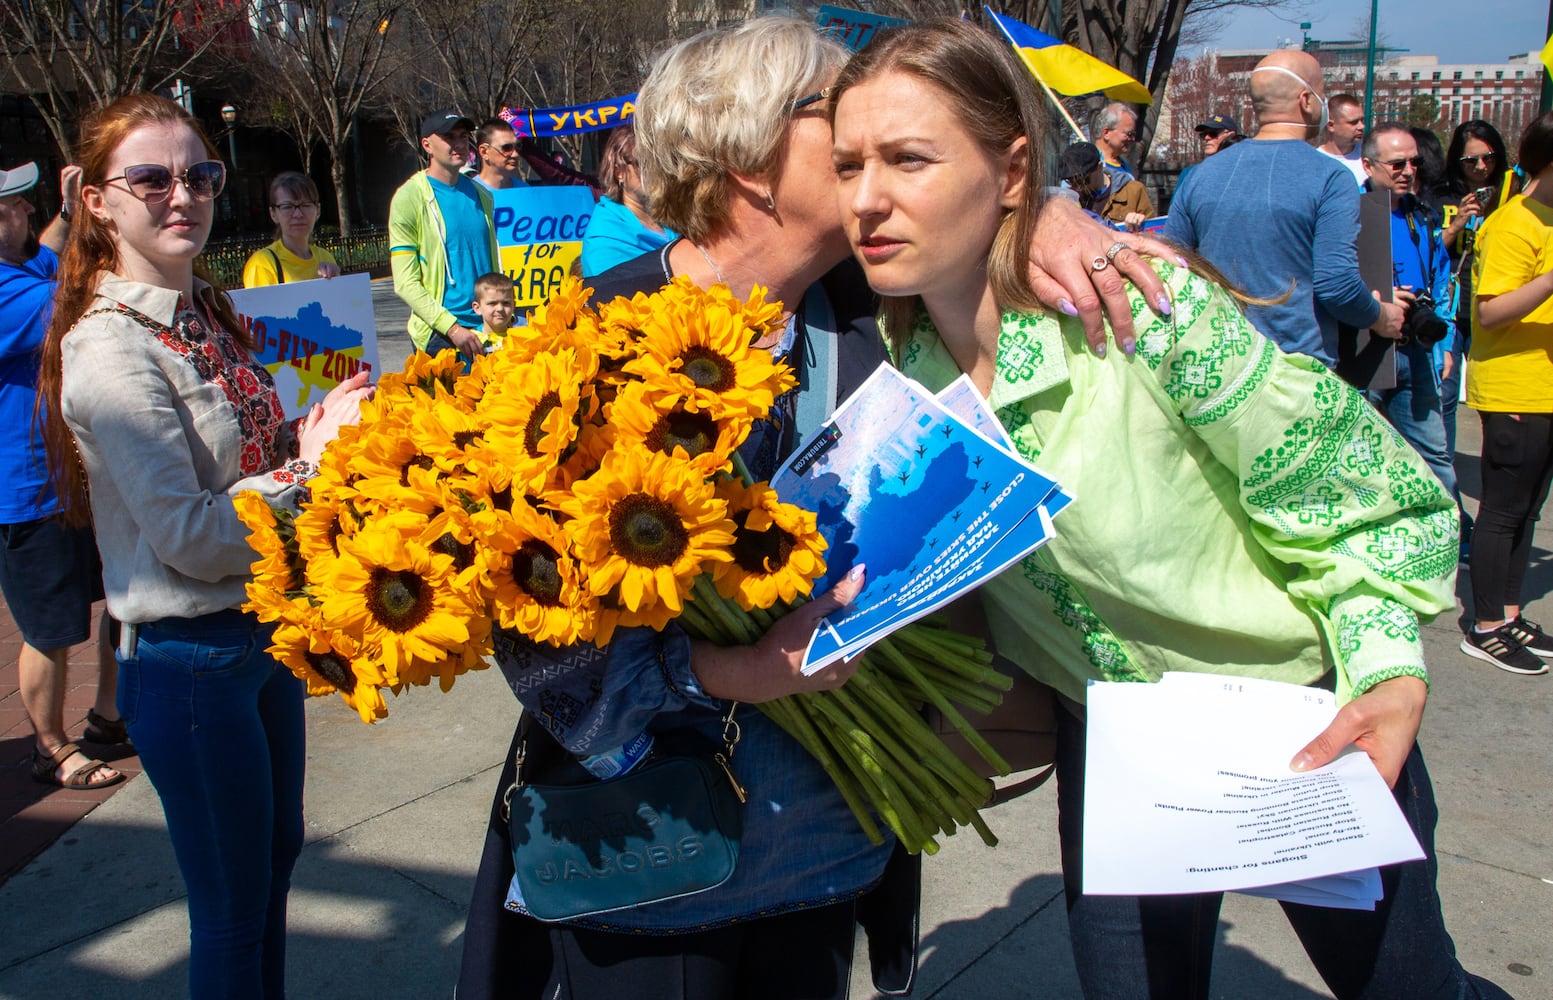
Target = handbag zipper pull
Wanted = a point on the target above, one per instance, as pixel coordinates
(738, 789)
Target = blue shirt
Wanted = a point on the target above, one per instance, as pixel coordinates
(467, 238)
(1268, 212)
(615, 235)
(26, 299)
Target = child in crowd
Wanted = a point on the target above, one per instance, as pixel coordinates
(496, 304)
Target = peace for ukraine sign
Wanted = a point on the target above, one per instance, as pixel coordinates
(540, 232)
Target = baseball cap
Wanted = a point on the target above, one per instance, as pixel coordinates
(446, 120)
(1217, 123)
(18, 179)
(1078, 160)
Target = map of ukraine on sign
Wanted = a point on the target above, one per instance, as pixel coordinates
(311, 335)
(540, 232)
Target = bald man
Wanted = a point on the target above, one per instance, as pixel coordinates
(1272, 210)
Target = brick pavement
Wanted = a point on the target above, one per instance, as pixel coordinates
(34, 815)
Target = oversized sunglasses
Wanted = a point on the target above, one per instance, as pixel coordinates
(152, 183)
(1485, 159)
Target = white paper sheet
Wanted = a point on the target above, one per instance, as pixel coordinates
(1188, 789)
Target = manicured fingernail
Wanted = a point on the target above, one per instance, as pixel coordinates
(1128, 344)
(1182, 262)
(1100, 349)
(1164, 304)
(856, 572)
(1067, 307)
(1302, 762)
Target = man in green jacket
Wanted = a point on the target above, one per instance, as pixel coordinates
(441, 239)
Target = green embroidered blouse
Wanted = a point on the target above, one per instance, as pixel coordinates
(1239, 510)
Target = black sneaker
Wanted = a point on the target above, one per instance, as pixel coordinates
(1529, 634)
(1503, 650)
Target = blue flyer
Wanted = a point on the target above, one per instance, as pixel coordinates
(903, 485)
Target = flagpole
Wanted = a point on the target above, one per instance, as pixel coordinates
(1078, 132)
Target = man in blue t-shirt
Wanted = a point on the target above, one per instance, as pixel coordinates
(1278, 217)
(49, 572)
(1421, 267)
(441, 239)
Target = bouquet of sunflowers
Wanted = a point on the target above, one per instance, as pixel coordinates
(585, 478)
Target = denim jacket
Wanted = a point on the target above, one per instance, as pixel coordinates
(801, 846)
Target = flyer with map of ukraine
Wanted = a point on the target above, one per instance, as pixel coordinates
(932, 507)
(312, 335)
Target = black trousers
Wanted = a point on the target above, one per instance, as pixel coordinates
(1517, 469)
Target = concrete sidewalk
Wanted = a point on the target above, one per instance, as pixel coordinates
(396, 813)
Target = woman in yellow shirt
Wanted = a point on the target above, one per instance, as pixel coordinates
(293, 256)
(1510, 384)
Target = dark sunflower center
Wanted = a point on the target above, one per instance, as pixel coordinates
(694, 432)
(645, 530)
(398, 599)
(418, 462)
(536, 571)
(760, 552)
(334, 670)
(463, 555)
(707, 369)
(466, 438)
(536, 422)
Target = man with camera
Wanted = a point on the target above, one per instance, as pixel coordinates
(1421, 270)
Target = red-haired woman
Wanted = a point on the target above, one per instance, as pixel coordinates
(158, 415)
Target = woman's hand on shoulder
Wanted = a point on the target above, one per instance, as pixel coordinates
(770, 669)
(340, 408)
(1063, 249)
(1383, 722)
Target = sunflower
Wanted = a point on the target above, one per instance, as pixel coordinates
(444, 431)
(699, 345)
(272, 538)
(537, 586)
(323, 522)
(390, 470)
(330, 660)
(776, 549)
(534, 416)
(660, 422)
(397, 594)
(423, 375)
(643, 526)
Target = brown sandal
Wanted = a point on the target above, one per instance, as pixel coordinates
(105, 732)
(44, 766)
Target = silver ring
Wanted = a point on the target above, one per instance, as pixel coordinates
(1099, 264)
(1116, 248)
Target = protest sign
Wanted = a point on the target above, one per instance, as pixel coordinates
(852, 28)
(311, 335)
(540, 230)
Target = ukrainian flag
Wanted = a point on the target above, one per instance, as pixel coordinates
(1065, 69)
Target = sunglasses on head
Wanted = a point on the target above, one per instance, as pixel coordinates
(152, 183)
(814, 98)
(1473, 161)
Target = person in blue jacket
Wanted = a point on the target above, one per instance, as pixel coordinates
(49, 572)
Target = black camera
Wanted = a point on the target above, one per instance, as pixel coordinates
(1421, 324)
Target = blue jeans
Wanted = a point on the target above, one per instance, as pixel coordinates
(219, 727)
(1413, 408)
(1162, 946)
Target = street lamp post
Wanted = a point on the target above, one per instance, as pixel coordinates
(229, 115)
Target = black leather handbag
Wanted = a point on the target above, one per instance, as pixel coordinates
(670, 827)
